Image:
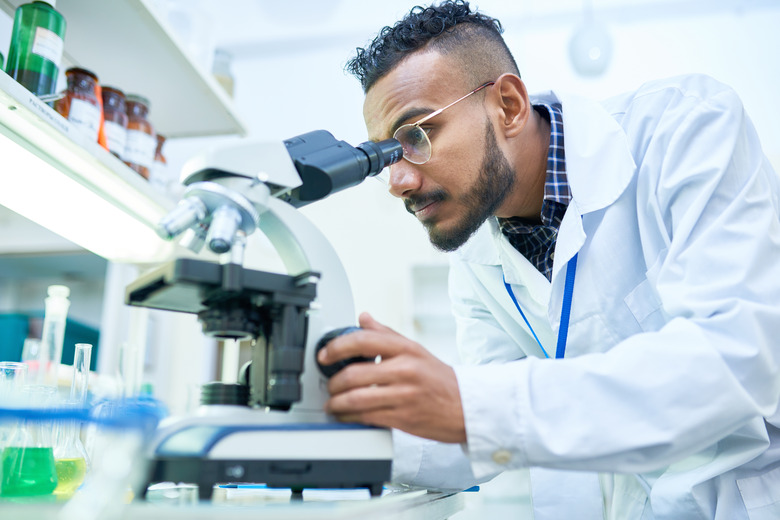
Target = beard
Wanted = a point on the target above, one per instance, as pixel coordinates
(494, 182)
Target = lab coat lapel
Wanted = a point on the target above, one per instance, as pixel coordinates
(490, 247)
(599, 167)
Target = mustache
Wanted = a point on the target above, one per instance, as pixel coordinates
(414, 203)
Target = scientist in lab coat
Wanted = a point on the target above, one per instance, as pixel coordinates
(615, 277)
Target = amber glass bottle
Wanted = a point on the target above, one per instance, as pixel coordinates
(141, 140)
(114, 113)
(80, 104)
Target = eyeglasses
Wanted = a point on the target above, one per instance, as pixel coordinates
(414, 139)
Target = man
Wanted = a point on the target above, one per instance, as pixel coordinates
(636, 244)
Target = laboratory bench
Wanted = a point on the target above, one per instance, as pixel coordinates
(246, 502)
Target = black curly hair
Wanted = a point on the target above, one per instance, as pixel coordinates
(450, 27)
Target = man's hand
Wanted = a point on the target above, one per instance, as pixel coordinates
(410, 389)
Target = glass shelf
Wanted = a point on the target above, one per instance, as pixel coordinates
(57, 177)
(128, 47)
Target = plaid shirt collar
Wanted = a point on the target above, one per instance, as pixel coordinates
(556, 185)
(537, 242)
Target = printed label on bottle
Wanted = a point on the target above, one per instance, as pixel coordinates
(139, 148)
(48, 44)
(158, 175)
(86, 116)
(116, 137)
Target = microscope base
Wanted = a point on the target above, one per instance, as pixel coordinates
(247, 446)
(293, 474)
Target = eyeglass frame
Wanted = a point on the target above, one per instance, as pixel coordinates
(432, 115)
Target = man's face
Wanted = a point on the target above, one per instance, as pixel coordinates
(467, 177)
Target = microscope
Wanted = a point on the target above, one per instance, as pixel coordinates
(270, 427)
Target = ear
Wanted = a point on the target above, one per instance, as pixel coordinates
(513, 104)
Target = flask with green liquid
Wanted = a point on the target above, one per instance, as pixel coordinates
(28, 457)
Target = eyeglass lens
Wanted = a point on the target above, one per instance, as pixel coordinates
(415, 142)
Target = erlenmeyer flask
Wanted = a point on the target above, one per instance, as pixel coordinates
(28, 458)
(70, 457)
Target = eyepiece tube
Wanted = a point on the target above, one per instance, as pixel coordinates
(381, 154)
(327, 166)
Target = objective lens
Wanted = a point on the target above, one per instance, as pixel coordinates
(223, 229)
(185, 214)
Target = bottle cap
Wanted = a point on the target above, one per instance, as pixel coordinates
(135, 98)
(81, 71)
(58, 291)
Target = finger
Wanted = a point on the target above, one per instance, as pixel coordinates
(367, 398)
(384, 417)
(366, 321)
(362, 343)
(355, 375)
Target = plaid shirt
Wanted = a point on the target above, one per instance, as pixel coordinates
(534, 241)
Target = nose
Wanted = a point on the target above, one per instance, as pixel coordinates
(404, 179)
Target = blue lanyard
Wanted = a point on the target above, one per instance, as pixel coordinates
(563, 331)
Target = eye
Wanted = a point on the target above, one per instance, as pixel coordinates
(417, 135)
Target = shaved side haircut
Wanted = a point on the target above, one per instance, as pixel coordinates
(450, 28)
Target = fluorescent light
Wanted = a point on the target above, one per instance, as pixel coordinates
(53, 175)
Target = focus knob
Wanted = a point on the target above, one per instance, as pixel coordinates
(330, 370)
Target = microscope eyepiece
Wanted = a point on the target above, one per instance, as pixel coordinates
(327, 165)
(381, 154)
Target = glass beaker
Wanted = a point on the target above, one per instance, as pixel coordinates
(12, 377)
(28, 458)
(70, 456)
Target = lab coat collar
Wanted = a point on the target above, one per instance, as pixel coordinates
(489, 246)
(599, 167)
(599, 164)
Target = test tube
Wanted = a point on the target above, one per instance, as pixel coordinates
(79, 385)
(55, 315)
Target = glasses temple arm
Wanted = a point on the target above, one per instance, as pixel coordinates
(439, 111)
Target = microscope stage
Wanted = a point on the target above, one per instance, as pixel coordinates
(185, 284)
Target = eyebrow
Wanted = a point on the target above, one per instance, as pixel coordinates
(412, 113)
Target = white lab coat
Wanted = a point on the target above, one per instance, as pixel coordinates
(670, 384)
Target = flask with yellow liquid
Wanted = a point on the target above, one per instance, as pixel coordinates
(71, 461)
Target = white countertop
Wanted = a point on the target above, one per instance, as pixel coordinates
(271, 504)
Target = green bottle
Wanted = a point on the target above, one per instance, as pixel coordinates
(37, 41)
